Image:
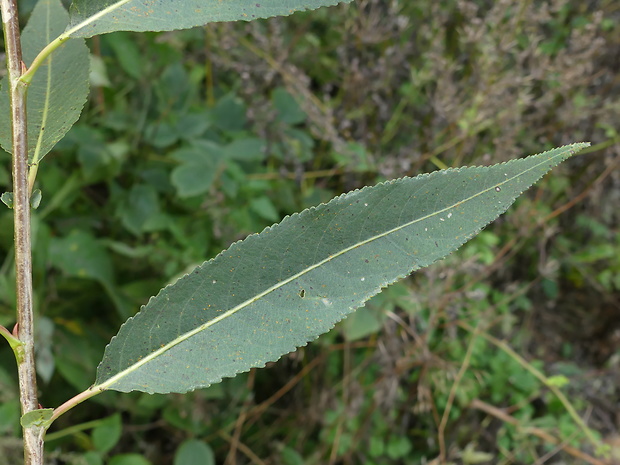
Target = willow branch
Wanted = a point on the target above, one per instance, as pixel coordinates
(33, 436)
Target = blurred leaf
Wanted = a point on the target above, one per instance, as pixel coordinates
(81, 255)
(128, 459)
(361, 324)
(181, 420)
(107, 433)
(558, 381)
(291, 457)
(58, 90)
(280, 289)
(250, 149)
(161, 134)
(550, 288)
(90, 18)
(174, 90)
(98, 158)
(127, 53)
(9, 417)
(377, 446)
(199, 166)
(92, 458)
(194, 452)
(44, 357)
(288, 109)
(296, 145)
(192, 125)
(140, 206)
(98, 72)
(398, 447)
(264, 207)
(76, 355)
(229, 114)
(471, 456)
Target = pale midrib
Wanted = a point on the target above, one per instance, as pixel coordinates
(46, 106)
(95, 17)
(234, 310)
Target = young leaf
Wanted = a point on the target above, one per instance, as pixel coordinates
(58, 91)
(90, 17)
(40, 417)
(279, 289)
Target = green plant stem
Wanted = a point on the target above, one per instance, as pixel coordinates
(81, 397)
(26, 78)
(15, 343)
(446, 413)
(71, 430)
(6, 333)
(33, 435)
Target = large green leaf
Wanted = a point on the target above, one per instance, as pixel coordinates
(279, 289)
(91, 17)
(58, 91)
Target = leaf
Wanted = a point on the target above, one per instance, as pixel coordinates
(194, 452)
(128, 54)
(9, 417)
(264, 207)
(90, 17)
(35, 199)
(282, 288)
(141, 205)
(59, 89)
(198, 169)
(76, 352)
(81, 255)
(107, 433)
(44, 357)
(128, 459)
(7, 199)
(40, 418)
(229, 114)
(250, 149)
(362, 323)
(288, 109)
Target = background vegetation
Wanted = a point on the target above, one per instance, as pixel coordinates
(194, 139)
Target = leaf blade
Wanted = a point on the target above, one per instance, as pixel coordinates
(60, 88)
(89, 17)
(280, 289)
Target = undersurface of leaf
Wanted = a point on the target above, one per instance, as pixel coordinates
(58, 91)
(89, 17)
(282, 288)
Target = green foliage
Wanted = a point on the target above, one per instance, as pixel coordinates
(194, 452)
(107, 433)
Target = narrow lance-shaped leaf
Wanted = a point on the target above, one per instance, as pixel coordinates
(280, 289)
(91, 17)
(58, 91)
